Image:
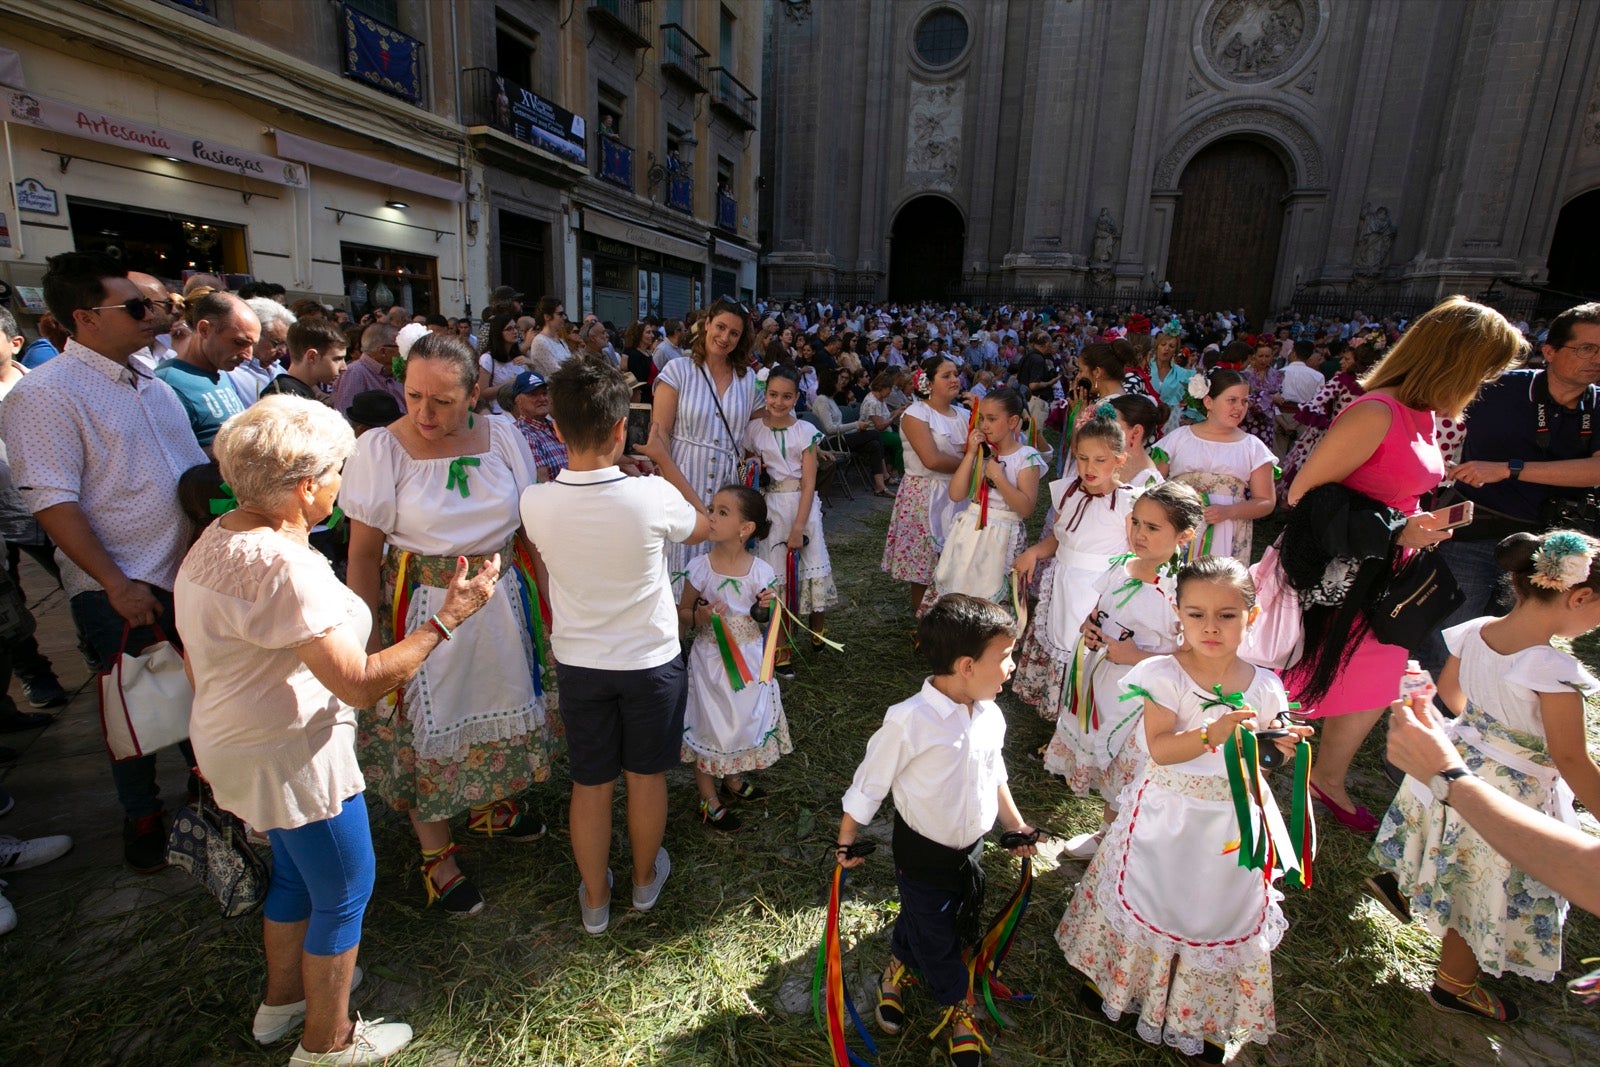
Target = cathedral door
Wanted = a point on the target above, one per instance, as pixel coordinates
(925, 250)
(1226, 231)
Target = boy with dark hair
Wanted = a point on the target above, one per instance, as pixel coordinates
(316, 359)
(940, 755)
(614, 630)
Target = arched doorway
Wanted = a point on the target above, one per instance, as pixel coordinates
(925, 250)
(1574, 268)
(1226, 230)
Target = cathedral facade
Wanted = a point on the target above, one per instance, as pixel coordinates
(1251, 153)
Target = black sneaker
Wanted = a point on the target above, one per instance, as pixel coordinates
(144, 843)
(44, 692)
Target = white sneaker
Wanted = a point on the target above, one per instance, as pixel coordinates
(1084, 846)
(595, 920)
(374, 1042)
(18, 855)
(8, 914)
(274, 1021)
(644, 896)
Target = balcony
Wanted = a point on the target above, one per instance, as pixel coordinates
(730, 96)
(683, 58)
(381, 56)
(491, 99)
(727, 212)
(680, 193)
(625, 18)
(616, 163)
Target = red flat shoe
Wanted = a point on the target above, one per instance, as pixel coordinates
(1360, 820)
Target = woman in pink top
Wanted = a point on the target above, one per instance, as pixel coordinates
(1382, 445)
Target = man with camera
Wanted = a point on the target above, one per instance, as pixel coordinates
(1529, 462)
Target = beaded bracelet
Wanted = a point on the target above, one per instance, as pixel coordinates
(1205, 738)
(444, 631)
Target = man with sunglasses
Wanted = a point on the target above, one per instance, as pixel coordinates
(97, 449)
(226, 331)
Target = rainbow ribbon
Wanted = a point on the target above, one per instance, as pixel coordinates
(1077, 692)
(983, 967)
(1263, 839)
(769, 651)
(1587, 988)
(980, 490)
(751, 469)
(533, 608)
(733, 660)
(830, 1000)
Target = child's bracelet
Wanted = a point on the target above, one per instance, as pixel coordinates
(1205, 738)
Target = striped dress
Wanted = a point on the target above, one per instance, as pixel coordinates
(701, 446)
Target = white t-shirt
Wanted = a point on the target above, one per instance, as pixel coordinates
(603, 536)
(1301, 383)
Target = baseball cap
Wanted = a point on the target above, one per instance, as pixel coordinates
(527, 382)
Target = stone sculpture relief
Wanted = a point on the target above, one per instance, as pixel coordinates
(933, 134)
(1374, 240)
(1254, 40)
(1103, 251)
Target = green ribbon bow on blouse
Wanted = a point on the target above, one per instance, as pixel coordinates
(1230, 700)
(458, 474)
(727, 582)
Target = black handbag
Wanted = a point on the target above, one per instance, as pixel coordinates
(213, 847)
(1420, 595)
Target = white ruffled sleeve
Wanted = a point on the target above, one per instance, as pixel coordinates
(1159, 678)
(512, 448)
(1455, 638)
(1549, 670)
(1267, 696)
(370, 480)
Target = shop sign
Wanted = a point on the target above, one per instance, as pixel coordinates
(32, 296)
(44, 113)
(33, 196)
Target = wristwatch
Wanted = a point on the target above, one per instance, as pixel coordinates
(1440, 783)
(1515, 466)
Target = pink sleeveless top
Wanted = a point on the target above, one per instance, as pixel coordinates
(1407, 462)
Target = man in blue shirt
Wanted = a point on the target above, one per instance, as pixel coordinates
(225, 335)
(1530, 445)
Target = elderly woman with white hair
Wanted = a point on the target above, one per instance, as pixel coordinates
(277, 649)
(271, 352)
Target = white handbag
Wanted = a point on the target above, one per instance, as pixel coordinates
(1276, 639)
(145, 699)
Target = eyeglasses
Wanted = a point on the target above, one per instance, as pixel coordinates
(1589, 352)
(734, 305)
(137, 307)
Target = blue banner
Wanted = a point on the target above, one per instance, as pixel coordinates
(382, 56)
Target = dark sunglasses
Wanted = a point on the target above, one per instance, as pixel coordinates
(734, 305)
(137, 307)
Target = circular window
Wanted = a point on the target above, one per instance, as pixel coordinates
(941, 37)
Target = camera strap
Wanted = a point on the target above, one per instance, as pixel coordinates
(1539, 393)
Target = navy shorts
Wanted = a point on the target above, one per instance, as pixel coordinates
(622, 720)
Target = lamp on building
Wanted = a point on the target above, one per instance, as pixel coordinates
(398, 205)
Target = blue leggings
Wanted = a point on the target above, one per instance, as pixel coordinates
(323, 872)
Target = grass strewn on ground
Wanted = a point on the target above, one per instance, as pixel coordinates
(719, 973)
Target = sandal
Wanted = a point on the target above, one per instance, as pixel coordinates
(458, 897)
(506, 819)
(722, 819)
(1474, 1000)
(891, 1012)
(966, 1050)
(747, 790)
(816, 639)
(1385, 889)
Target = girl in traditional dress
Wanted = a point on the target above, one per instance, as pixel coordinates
(935, 428)
(1520, 726)
(1091, 513)
(989, 534)
(730, 731)
(1141, 419)
(788, 450)
(1166, 923)
(1266, 385)
(1231, 469)
(1097, 744)
(469, 732)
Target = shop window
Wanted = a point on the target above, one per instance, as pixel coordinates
(161, 243)
(376, 279)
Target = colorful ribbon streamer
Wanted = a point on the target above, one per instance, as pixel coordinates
(535, 611)
(1263, 839)
(733, 661)
(1077, 691)
(830, 1000)
(769, 651)
(983, 967)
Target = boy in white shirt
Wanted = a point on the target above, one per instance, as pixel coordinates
(940, 754)
(614, 630)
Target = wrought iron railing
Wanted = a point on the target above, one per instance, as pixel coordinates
(624, 16)
(683, 56)
(489, 98)
(733, 97)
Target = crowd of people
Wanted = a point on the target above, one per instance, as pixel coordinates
(374, 541)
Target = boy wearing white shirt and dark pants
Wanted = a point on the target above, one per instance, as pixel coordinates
(939, 753)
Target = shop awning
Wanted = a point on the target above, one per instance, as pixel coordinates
(330, 157)
(729, 250)
(41, 112)
(641, 236)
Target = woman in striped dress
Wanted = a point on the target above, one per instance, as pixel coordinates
(701, 407)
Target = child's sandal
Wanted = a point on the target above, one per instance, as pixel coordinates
(746, 790)
(966, 1050)
(891, 1012)
(1474, 1000)
(722, 818)
(458, 897)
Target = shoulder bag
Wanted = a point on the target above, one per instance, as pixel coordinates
(1276, 640)
(145, 699)
(1420, 594)
(213, 847)
(749, 468)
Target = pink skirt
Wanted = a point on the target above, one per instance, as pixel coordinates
(1371, 680)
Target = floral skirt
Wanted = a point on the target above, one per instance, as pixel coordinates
(910, 552)
(1085, 758)
(1455, 881)
(439, 789)
(1039, 677)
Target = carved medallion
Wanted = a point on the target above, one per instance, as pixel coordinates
(933, 133)
(1249, 41)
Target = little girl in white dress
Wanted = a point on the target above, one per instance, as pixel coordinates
(1231, 469)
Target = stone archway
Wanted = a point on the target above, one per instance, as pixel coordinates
(1572, 264)
(1228, 227)
(926, 242)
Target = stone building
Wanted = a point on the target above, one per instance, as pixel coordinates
(1248, 152)
(370, 152)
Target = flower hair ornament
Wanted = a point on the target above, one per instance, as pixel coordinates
(1199, 386)
(1562, 561)
(1105, 411)
(921, 384)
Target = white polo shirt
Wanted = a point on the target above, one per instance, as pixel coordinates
(603, 536)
